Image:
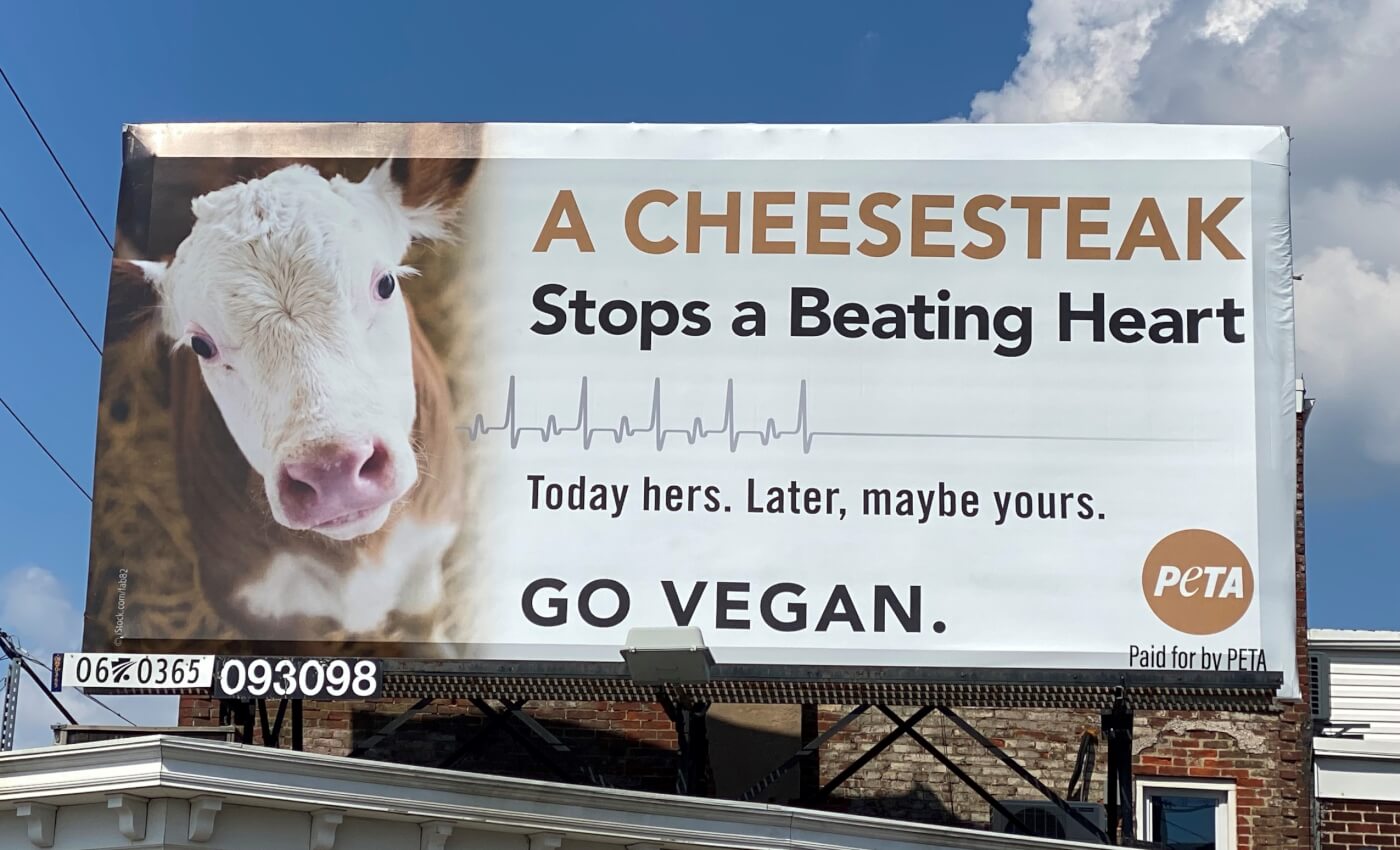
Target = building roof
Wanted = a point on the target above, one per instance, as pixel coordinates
(1353, 639)
(299, 788)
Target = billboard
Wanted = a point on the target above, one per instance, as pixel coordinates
(946, 396)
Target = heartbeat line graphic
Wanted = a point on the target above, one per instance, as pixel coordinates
(770, 432)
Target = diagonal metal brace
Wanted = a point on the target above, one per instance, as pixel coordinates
(901, 727)
(516, 709)
(487, 726)
(807, 750)
(962, 775)
(272, 734)
(389, 728)
(1022, 772)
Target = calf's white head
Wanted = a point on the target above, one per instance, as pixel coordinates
(287, 289)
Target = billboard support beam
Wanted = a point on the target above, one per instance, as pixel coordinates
(547, 757)
(388, 729)
(962, 775)
(542, 756)
(237, 712)
(492, 720)
(246, 714)
(454, 758)
(1117, 725)
(901, 727)
(693, 770)
(272, 735)
(808, 750)
(298, 728)
(1020, 770)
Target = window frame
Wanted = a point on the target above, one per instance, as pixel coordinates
(1227, 833)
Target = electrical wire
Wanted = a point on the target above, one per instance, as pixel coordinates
(40, 444)
(82, 692)
(52, 285)
(8, 648)
(61, 170)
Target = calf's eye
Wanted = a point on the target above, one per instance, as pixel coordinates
(203, 347)
(384, 287)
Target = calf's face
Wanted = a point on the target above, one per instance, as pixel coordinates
(288, 290)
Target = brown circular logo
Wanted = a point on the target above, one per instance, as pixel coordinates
(1197, 582)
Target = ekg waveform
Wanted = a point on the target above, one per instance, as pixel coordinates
(799, 426)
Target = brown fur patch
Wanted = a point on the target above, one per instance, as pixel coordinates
(232, 527)
(432, 181)
(144, 520)
(131, 302)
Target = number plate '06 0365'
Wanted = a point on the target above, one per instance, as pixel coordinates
(297, 678)
(131, 671)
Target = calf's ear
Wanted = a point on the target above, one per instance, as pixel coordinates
(429, 190)
(133, 300)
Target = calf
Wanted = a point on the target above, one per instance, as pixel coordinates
(313, 436)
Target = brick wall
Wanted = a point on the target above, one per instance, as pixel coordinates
(1358, 824)
(631, 744)
(907, 783)
(1262, 754)
(1266, 755)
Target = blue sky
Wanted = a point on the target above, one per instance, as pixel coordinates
(84, 69)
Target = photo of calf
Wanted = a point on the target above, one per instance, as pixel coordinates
(290, 341)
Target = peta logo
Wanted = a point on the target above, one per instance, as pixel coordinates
(1197, 582)
(1187, 583)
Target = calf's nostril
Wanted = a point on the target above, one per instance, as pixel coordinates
(295, 488)
(298, 489)
(376, 466)
(335, 480)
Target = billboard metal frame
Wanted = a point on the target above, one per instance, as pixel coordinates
(694, 776)
(418, 678)
(414, 679)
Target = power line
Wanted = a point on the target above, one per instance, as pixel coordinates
(8, 648)
(52, 285)
(85, 695)
(54, 157)
(40, 444)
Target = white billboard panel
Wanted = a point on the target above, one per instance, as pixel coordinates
(945, 396)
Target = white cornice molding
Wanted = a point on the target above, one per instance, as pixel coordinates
(434, 835)
(184, 767)
(323, 827)
(1357, 639)
(546, 841)
(39, 822)
(131, 815)
(204, 810)
(1357, 748)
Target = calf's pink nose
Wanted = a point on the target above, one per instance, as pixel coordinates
(335, 481)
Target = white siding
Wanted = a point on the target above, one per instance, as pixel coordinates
(1365, 689)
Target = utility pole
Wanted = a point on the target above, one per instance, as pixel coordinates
(10, 649)
(10, 708)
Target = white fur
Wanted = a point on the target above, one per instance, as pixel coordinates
(279, 272)
(405, 577)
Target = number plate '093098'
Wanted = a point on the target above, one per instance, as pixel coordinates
(297, 678)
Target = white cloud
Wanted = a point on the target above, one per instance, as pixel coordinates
(1082, 62)
(1363, 216)
(36, 611)
(1325, 68)
(1233, 21)
(1347, 345)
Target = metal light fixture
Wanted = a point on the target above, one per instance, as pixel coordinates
(666, 655)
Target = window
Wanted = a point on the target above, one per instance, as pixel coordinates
(1181, 814)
